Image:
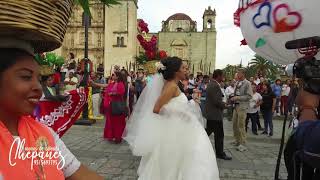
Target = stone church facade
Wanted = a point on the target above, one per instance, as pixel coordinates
(112, 37)
(75, 37)
(179, 37)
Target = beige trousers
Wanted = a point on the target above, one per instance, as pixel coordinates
(239, 122)
(96, 100)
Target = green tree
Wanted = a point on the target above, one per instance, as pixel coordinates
(230, 71)
(264, 67)
(85, 4)
(250, 72)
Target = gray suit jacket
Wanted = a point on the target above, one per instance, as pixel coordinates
(245, 93)
(213, 110)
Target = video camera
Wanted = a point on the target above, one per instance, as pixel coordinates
(307, 67)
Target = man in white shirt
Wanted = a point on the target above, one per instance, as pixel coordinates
(223, 90)
(68, 73)
(230, 93)
(63, 71)
(230, 89)
(192, 84)
(71, 82)
(253, 111)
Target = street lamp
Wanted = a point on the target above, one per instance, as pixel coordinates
(86, 73)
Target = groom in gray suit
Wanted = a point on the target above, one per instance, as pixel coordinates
(213, 112)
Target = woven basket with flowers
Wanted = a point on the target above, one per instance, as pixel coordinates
(152, 54)
(48, 62)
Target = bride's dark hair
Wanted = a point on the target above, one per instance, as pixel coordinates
(172, 65)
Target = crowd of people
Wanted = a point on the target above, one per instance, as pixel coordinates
(242, 99)
(268, 99)
(166, 126)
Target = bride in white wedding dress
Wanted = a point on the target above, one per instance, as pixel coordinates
(165, 130)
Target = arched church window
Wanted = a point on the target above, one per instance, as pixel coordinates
(90, 38)
(72, 41)
(179, 53)
(209, 24)
(118, 41)
(179, 29)
(99, 40)
(81, 38)
(99, 14)
(122, 41)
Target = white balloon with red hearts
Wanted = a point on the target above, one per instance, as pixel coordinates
(268, 25)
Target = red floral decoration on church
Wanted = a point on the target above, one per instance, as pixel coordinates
(151, 54)
(163, 54)
(143, 27)
(150, 46)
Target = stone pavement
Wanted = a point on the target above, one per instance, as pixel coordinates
(115, 162)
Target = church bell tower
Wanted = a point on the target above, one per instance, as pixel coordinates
(209, 20)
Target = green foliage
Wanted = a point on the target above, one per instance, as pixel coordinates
(250, 72)
(50, 59)
(40, 60)
(85, 4)
(59, 61)
(257, 66)
(263, 66)
(142, 58)
(230, 71)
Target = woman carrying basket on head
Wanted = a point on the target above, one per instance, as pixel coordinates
(29, 149)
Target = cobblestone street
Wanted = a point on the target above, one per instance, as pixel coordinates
(116, 162)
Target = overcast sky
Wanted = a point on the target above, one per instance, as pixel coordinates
(228, 35)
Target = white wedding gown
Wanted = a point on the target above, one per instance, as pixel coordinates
(173, 144)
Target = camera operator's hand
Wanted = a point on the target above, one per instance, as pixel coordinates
(307, 104)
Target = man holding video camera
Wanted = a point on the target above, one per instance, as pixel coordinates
(299, 146)
(302, 152)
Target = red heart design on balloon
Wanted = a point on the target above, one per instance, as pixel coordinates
(282, 25)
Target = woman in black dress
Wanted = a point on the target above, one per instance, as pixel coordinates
(267, 108)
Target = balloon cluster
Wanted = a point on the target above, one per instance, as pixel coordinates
(150, 46)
